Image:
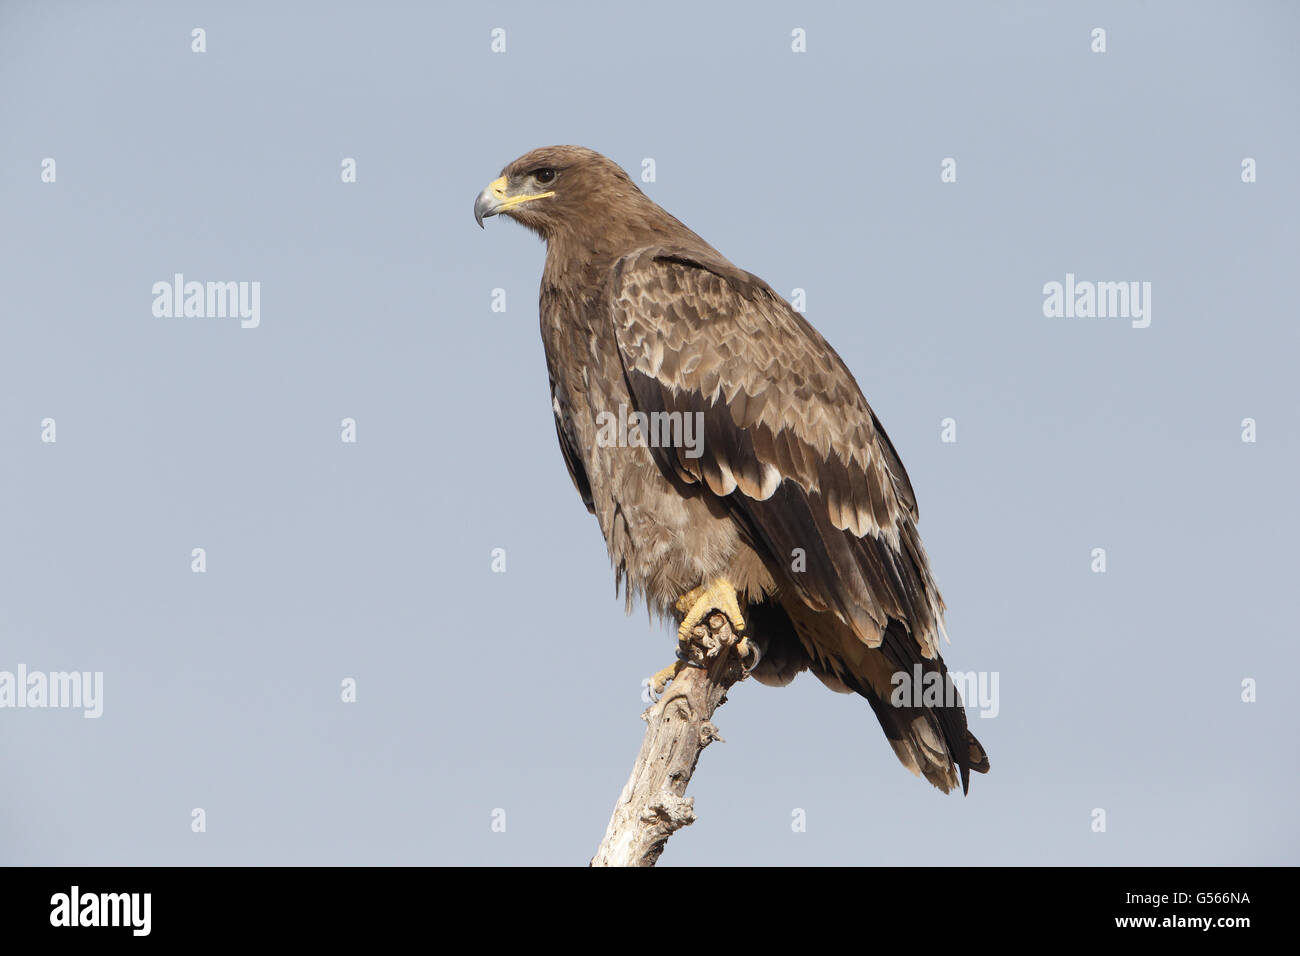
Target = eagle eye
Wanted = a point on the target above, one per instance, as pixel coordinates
(544, 175)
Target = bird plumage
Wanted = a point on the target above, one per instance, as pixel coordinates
(795, 495)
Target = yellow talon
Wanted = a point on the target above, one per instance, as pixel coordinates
(695, 606)
(686, 600)
(748, 654)
(661, 678)
(698, 603)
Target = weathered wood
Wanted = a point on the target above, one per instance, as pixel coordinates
(654, 805)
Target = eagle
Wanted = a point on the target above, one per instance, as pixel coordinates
(786, 506)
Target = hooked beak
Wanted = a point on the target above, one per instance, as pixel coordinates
(495, 199)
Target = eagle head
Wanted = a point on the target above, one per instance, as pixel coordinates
(560, 189)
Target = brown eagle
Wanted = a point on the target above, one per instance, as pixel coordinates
(786, 507)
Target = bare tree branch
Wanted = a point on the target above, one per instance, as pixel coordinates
(654, 805)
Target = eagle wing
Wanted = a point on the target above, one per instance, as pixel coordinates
(788, 438)
(572, 460)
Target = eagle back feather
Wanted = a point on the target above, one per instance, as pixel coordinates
(789, 440)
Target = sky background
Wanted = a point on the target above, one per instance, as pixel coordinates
(479, 691)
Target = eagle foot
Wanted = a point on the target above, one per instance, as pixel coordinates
(749, 654)
(717, 595)
(698, 634)
(659, 680)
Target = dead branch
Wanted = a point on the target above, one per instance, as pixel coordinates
(654, 805)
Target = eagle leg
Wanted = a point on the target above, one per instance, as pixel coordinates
(695, 606)
(659, 680)
(717, 595)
